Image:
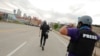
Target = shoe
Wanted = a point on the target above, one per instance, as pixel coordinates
(42, 48)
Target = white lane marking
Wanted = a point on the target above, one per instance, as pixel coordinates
(61, 40)
(11, 53)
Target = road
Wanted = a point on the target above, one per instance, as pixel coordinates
(23, 40)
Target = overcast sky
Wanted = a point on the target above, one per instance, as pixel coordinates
(64, 11)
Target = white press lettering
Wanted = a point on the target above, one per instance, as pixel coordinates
(89, 36)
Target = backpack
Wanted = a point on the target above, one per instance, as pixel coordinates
(44, 28)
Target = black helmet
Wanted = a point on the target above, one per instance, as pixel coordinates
(44, 23)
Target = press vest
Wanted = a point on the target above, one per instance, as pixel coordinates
(84, 44)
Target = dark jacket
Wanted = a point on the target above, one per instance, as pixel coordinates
(45, 28)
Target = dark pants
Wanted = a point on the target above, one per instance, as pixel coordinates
(43, 39)
(71, 54)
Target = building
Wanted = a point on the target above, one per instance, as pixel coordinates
(18, 13)
(35, 21)
(24, 15)
(14, 11)
(1, 14)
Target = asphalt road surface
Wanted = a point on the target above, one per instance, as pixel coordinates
(23, 40)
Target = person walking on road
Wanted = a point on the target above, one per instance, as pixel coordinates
(83, 39)
(44, 34)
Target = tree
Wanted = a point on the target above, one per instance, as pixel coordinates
(0, 18)
(56, 25)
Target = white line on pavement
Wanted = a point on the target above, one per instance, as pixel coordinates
(61, 40)
(11, 53)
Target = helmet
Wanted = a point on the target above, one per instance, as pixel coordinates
(85, 20)
(44, 22)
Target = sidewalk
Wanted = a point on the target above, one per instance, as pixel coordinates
(96, 49)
